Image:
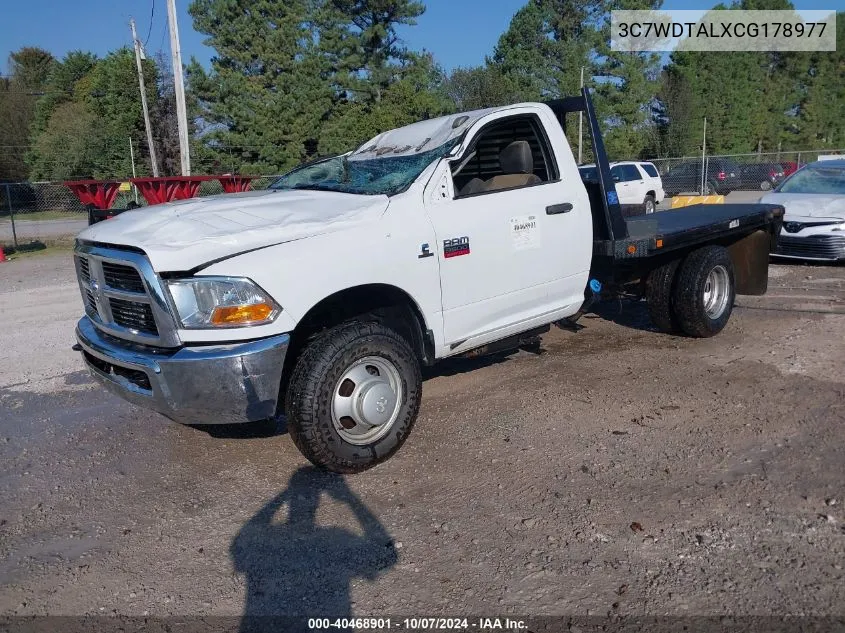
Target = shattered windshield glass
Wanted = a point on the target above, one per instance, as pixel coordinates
(382, 175)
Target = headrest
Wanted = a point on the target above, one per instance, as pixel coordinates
(516, 158)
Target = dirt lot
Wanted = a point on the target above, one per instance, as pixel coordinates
(622, 471)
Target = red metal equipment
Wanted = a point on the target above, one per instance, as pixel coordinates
(159, 190)
(235, 184)
(97, 193)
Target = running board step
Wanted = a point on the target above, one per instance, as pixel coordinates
(528, 341)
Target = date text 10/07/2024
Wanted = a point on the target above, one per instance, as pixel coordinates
(417, 624)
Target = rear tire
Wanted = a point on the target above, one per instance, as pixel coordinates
(659, 287)
(649, 204)
(353, 397)
(704, 292)
(765, 185)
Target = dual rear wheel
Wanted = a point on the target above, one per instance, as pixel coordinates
(694, 296)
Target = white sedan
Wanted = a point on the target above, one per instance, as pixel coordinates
(814, 223)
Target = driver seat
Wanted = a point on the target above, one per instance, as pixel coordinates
(517, 163)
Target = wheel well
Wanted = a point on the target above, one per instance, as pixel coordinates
(651, 193)
(386, 304)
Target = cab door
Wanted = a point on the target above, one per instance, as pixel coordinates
(516, 257)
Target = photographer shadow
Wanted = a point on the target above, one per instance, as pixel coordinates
(296, 569)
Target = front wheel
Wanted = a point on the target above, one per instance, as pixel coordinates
(765, 185)
(704, 292)
(353, 397)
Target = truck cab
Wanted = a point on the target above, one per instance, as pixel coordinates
(321, 298)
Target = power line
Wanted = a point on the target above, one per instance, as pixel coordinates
(152, 15)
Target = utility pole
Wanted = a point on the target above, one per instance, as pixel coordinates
(134, 175)
(179, 85)
(581, 123)
(139, 55)
(703, 157)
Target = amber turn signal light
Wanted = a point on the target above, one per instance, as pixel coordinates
(241, 315)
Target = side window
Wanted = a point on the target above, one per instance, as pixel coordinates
(649, 169)
(513, 152)
(631, 173)
(617, 174)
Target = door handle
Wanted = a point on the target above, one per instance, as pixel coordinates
(557, 209)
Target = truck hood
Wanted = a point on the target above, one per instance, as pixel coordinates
(183, 235)
(801, 206)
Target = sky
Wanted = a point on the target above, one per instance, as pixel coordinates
(457, 32)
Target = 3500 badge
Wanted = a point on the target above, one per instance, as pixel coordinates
(455, 247)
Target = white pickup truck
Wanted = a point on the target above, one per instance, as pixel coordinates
(321, 298)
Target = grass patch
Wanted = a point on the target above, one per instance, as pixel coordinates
(49, 215)
(38, 248)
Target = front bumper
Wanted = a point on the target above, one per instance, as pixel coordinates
(219, 384)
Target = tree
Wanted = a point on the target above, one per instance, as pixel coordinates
(30, 67)
(417, 94)
(269, 88)
(88, 113)
(819, 120)
(480, 87)
(547, 44)
(68, 147)
(626, 85)
(292, 80)
(372, 50)
(28, 71)
(753, 100)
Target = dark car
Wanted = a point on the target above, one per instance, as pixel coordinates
(760, 176)
(722, 178)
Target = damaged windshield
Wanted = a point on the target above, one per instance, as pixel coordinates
(385, 174)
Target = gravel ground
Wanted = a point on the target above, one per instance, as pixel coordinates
(621, 471)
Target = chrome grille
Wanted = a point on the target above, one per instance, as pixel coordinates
(122, 277)
(123, 296)
(84, 270)
(812, 247)
(133, 315)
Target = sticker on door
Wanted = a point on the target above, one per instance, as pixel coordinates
(525, 232)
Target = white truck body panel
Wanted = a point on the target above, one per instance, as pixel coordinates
(525, 267)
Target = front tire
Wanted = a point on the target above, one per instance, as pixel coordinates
(704, 292)
(353, 397)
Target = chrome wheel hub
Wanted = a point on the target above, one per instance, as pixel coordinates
(716, 292)
(366, 400)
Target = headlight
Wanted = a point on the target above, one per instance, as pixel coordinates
(221, 302)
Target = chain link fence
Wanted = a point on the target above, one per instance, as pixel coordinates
(32, 211)
(723, 174)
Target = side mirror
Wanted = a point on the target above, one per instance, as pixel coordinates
(616, 178)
